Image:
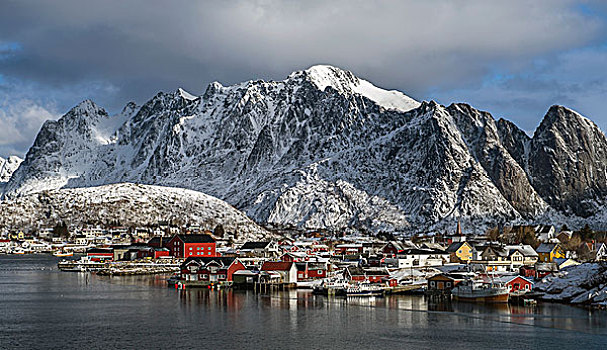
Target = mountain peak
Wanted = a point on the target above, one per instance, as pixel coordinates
(185, 95)
(323, 76)
(561, 117)
(87, 107)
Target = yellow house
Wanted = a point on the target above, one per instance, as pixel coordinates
(547, 252)
(17, 236)
(461, 251)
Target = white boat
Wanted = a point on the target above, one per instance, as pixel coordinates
(363, 289)
(18, 251)
(62, 254)
(478, 291)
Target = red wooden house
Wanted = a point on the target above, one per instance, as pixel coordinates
(516, 283)
(210, 269)
(100, 254)
(527, 271)
(186, 246)
(152, 252)
(392, 248)
(310, 270)
(375, 275)
(286, 270)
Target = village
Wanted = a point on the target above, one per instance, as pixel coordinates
(499, 266)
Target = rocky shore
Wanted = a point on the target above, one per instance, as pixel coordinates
(584, 284)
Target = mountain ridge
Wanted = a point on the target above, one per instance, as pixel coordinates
(318, 151)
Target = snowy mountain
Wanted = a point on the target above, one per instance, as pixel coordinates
(326, 149)
(129, 204)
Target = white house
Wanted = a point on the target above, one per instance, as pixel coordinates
(418, 258)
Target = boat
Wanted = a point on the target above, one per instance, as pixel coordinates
(344, 288)
(331, 287)
(481, 292)
(18, 251)
(363, 290)
(62, 254)
(85, 264)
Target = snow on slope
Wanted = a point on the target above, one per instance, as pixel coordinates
(8, 167)
(130, 204)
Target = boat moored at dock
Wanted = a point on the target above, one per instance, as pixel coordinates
(481, 292)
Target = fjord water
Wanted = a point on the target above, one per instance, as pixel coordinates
(42, 308)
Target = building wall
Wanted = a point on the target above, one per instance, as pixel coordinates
(236, 266)
(519, 284)
(179, 249)
(464, 253)
(199, 249)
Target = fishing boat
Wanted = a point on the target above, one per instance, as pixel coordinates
(18, 251)
(85, 264)
(481, 292)
(331, 287)
(363, 290)
(62, 254)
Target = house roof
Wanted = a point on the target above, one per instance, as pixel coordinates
(544, 229)
(99, 250)
(506, 279)
(254, 245)
(421, 251)
(197, 238)
(396, 245)
(546, 247)
(453, 247)
(432, 246)
(317, 266)
(276, 266)
(441, 276)
(156, 240)
(359, 271)
(524, 249)
(204, 261)
(500, 251)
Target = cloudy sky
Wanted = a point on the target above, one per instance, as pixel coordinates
(511, 58)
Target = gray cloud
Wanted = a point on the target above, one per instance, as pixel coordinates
(576, 79)
(139, 47)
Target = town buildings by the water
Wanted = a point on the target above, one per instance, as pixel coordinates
(516, 257)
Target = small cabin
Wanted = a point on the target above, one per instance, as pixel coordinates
(441, 282)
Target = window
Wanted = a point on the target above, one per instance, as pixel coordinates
(190, 248)
(527, 286)
(222, 277)
(320, 272)
(432, 284)
(209, 248)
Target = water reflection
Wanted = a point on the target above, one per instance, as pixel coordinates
(40, 305)
(295, 301)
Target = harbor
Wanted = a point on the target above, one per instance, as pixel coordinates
(99, 308)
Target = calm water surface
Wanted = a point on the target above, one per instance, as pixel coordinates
(42, 308)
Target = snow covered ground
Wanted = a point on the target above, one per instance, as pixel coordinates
(581, 284)
(130, 204)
